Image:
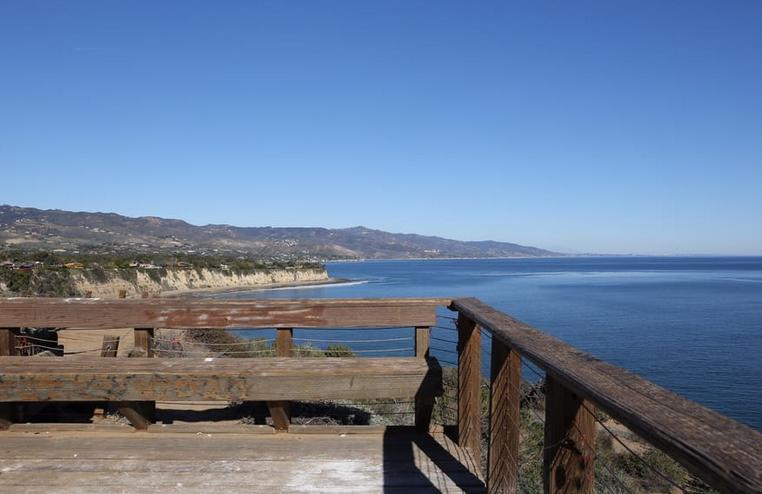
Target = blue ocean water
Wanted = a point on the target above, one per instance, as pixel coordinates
(693, 325)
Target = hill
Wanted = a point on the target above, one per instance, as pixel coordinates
(31, 228)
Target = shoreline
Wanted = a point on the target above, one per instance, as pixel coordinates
(190, 292)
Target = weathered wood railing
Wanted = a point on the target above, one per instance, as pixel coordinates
(190, 314)
(725, 454)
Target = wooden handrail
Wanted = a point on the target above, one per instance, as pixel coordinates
(83, 313)
(722, 452)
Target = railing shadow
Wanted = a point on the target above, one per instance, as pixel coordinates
(418, 461)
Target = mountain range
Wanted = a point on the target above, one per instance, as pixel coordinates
(53, 229)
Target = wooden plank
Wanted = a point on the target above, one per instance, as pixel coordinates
(140, 413)
(110, 346)
(280, 410)
(469, 381)
(209, 428)
(137, 413)
(685, 430)
(389, 463)
(424, 403)
(144, 341)
(7, 347)
(204, 379)
(505, 420)
(7, 341)
(569, 451)
(190, 314)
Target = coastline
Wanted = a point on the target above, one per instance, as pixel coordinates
(191, 292)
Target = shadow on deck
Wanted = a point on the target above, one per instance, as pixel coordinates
(66, 459)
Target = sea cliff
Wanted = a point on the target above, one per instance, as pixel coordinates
(158, 282)
(96, 281)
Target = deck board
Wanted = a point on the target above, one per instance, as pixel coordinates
(395, 461)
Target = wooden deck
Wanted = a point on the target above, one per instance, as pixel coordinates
(58, 459)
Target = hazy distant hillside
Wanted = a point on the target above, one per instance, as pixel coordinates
(55, 229)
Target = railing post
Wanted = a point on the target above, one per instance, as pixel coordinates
(143, 337)
(7, 348)
(140, 413)
(469, 380)
(504, 419)
(424, 404)
(280, 410)
(569, 456)
(110, 346)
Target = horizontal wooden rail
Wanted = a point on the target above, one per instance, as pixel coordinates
(724, 453)
(189, 314)
(210, 379)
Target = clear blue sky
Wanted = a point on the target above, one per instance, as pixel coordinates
(609, 126)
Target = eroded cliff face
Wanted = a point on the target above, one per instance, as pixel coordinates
(179, 280)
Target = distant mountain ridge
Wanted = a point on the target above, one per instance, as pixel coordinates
(56, 229)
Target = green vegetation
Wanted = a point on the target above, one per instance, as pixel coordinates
(37, 282)
(42, 273)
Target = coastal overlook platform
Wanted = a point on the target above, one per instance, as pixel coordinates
(195, 406)
(231, 459)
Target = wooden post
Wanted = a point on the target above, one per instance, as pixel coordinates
(469, 378)
(280, 410)
(569, 441)
(7, 348)
(143, 337)
(140, 413)
(424, 404)
(110, 346)
(504, 419)
(7, 341)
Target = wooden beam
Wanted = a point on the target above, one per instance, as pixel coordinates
(194, 314)
(569, 452)
(683, 429)
(280, 411)
(212, 379)
(143, 412)
(7, 348)
(469, 381)
(505, 420)
(424, 403)
(137, 414)
(144, 341)
(8, 341)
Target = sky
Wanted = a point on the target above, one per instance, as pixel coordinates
(586, 126)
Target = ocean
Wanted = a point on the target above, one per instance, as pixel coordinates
(690, 324)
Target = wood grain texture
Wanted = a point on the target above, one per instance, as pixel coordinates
(7, 341)
(424, 403)
(138, 413)
(569, 450)
(144, 341)
(141, 413)
(280, 411)
(190, 314)
(97, 462)
(504, 429)
(110, 346)
(469, 381)
(7, 348)
(209, 379)
(724, 453)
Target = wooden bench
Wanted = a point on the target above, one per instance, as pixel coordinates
(136, 383)
(125, 380)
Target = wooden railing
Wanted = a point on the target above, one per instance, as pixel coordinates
(725, 454)
(145, 316)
